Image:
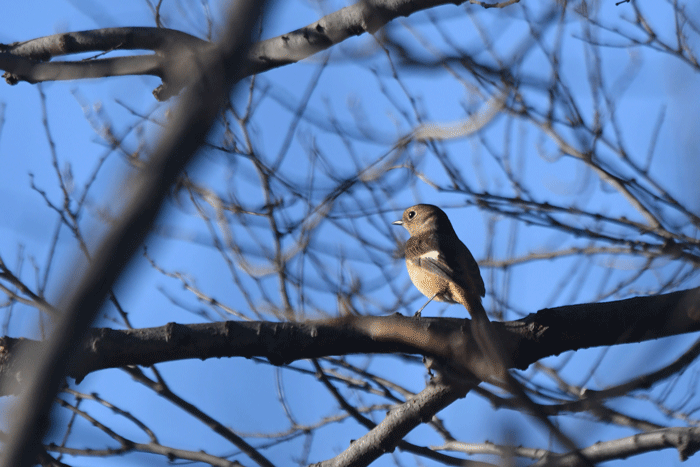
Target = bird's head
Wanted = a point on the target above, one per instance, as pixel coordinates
(423, 218)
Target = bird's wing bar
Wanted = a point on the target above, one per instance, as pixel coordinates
(432, 262)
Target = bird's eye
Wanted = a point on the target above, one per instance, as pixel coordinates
(411, 214)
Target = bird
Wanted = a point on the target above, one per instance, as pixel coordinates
(443, 269)
(438, 263)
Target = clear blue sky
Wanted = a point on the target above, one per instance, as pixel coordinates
(243, 394)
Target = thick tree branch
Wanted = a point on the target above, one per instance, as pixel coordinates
(397, 424)
(610, 323)
(176, 51)
(543, 334)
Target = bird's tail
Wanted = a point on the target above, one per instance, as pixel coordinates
(486, 337)
(489, 342)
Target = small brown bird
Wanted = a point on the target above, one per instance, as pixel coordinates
(443, 269)
(439, 264)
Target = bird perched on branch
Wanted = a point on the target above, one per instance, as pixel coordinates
(439, 264)
(443, 269)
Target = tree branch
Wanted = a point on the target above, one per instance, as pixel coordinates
(87, 286)
(546, 333)
(177, 51)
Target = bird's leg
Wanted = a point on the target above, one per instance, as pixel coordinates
(417, 315)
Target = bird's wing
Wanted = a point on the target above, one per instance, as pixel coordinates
(470, 269)
(432, 253)
(448, 258)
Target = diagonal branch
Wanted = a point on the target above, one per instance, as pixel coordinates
(88, 285)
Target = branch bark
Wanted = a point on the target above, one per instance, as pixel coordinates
(546, 333)
(176, 52)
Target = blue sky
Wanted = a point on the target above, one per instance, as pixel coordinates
(243, 394)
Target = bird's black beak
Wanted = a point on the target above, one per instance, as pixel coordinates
(397, 223)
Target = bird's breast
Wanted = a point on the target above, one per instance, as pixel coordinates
(428, 283)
